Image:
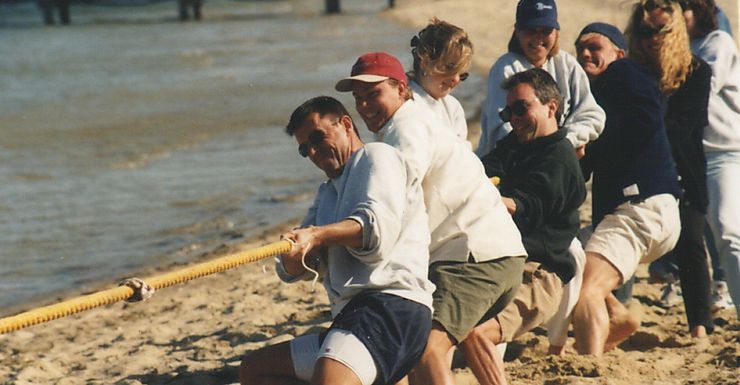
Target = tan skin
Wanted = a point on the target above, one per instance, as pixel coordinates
(479, 346)
(600, 321)
(536, 43)
(273, 365)
(595, 54)
(377, 102)
(438, 85)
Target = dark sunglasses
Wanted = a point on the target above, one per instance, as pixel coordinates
(519, 108)
(644, 31)
(314, 139)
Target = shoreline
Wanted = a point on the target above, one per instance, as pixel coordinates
(266, 236)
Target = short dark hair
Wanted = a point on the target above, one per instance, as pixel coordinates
(322, 105)
(705, 15)
(544, 86)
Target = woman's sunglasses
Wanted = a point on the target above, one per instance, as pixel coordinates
(644, 31)
(519, 108)
(314, 139)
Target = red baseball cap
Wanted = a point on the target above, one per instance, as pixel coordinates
(373, 67)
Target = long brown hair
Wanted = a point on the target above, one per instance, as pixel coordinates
(673, 61)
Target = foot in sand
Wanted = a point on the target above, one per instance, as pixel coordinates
(623, 322)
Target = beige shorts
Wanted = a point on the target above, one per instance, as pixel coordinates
(637, 233)
(536, 301)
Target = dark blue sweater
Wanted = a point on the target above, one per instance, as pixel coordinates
(633, 150)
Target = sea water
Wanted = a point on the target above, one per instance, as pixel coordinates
(130, 140)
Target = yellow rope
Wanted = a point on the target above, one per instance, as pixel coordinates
(105, 297)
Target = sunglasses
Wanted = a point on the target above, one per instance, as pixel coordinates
(519, 108)
(644, 31)
(314, 139)
(464, 76)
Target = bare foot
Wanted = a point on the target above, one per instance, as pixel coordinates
(698, 331)
(622, 323)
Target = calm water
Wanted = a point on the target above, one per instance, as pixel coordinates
(129, 140)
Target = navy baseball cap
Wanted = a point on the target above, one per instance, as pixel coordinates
(537, 14)
(611, 32)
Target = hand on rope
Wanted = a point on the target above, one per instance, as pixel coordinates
(302, 245)
(142, 290)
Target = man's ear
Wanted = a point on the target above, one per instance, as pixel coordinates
(552, 107)
(346, 122)
(621, 53)
(403, 89)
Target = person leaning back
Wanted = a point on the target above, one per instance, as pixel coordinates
(367, 235)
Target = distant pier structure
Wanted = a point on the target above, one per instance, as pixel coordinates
(334, 6)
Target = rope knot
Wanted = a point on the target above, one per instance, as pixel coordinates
(142, 290)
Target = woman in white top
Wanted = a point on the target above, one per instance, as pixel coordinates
(442, 54)
(722, 136)
(534, 43)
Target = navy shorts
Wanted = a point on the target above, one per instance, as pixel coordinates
(393, 329)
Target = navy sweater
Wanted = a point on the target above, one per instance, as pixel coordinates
(631, 160)
(685, 119)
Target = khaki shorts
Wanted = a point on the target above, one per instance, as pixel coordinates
(469, 293)
(637, 233)
(536, 301)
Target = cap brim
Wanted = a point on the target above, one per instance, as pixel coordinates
(345, 85)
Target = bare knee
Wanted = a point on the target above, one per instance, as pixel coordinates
(486, 333)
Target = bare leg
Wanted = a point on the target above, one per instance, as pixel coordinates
(331, 372)
(271, 365)
(434, 366)
(482, 355)
(622, 323)
(590, 315)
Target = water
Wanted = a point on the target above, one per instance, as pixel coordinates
(129, 140)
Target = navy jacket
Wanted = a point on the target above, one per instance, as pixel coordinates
(685, 119)
(631, 160)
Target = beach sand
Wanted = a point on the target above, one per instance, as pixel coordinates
(196, 333)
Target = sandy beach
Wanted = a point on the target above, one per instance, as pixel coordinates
(196, 333)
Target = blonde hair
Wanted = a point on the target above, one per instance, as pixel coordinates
(673, 61)
(441, 48)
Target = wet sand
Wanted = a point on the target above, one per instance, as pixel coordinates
(197, 332)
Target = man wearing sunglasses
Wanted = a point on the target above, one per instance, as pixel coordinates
(635, 187)
(476, 253)
(367, 235)
(542, 186)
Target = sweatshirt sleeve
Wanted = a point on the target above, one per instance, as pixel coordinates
(378, 208)
(585, 120)
(491, 127)
(687, 107)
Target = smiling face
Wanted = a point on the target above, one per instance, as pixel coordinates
(327, 141)
(531, 119)
(595, 52)
(439, 85)
(377, 102)
(536, 43)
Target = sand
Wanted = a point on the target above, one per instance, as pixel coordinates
(196, 333)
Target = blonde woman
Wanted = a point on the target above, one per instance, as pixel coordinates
(658, 39)
(442, 54)
(534, 44)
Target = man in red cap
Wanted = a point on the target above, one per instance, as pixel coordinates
(476, 273)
